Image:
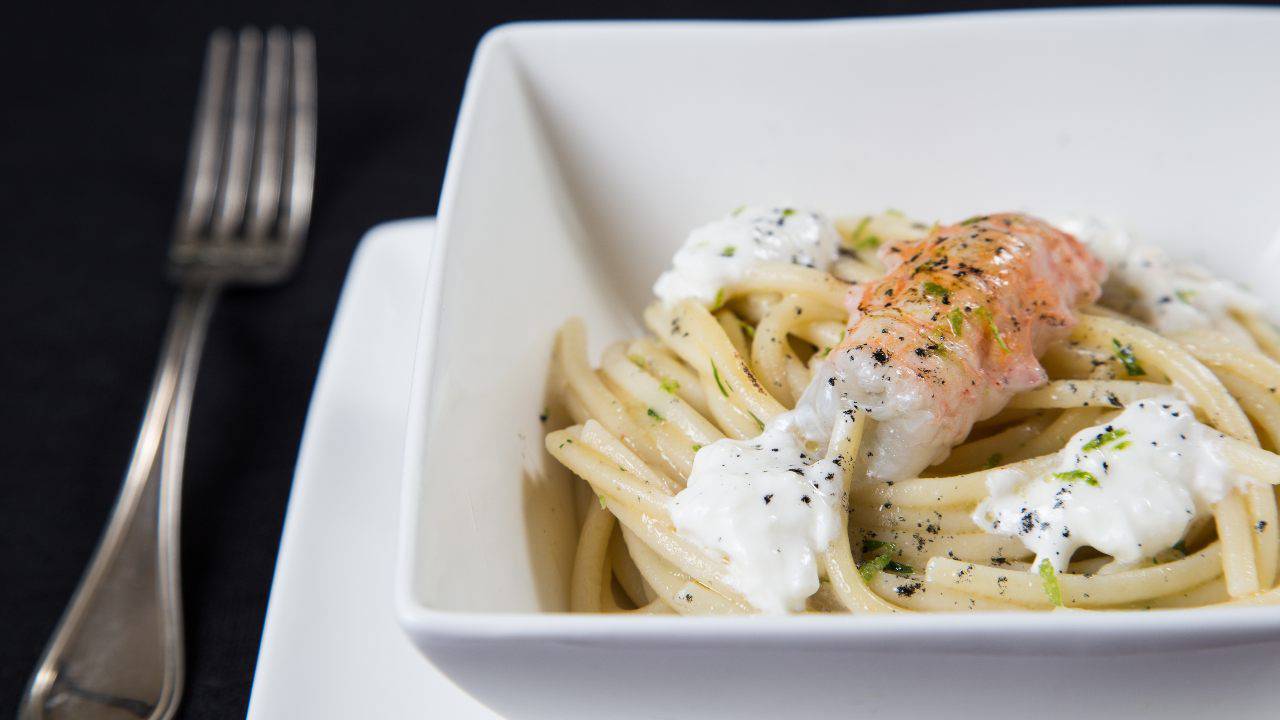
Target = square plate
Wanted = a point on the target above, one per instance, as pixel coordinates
(331, 649)
(584, 152)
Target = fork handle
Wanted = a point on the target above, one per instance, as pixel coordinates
(117, 652)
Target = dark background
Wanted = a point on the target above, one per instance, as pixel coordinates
(96, 105)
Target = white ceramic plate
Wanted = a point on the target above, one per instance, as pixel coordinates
(330, 647)
(584, 153)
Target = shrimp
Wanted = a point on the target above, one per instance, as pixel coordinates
(949, 334)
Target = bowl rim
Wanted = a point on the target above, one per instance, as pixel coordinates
(1001, 632)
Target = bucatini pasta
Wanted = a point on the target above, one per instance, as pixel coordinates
(881, 415)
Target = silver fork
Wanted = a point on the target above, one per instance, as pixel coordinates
(117, 652)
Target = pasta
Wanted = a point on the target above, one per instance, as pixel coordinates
(722, 370)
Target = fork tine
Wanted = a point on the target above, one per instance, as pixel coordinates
(269, 164)
(204, 157)
(251, 172)
(296, 212)
(244, 120)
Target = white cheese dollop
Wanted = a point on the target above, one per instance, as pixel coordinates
(1143, 281)
(770, 506)
(719, 253)
(1130, 488)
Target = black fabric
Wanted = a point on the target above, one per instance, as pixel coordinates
(97, 102)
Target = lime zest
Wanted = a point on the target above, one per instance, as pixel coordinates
(1073, 475)
(1104, 438)
(898, 568)
(956, 318)
(715, 373)
(1049, 581)
(859, 240)
(933, 289)
(1132, 367)
(719, 301)
(874, 567)
(982, 312)
(869, 545)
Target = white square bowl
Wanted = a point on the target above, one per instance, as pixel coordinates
(583, 154)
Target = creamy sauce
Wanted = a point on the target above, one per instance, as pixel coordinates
(1146, 283)
(718, 254)
(1130, 488)
(770, 507)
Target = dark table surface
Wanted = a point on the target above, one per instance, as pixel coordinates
(97, 104)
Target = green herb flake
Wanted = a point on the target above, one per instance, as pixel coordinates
(925, 266)
(669, 386)
(728, 251)
(1103, 438)
(883, 561)
(856, 235)
(1074, 475)
(973, 220)
(602, 503)
(1049, 581)
(638, 361)
(934, 348)
(715, 373)
(719, 301)
(874, 567)
(994, 460)
(985, 314)
(788, 212)
(1132, 367)
(738, 211)
(933, 289)
(956, 318)
(860, 240)
(1123, 445)
(898, 568)
(1185, 295)
(696, 447)
(758, 420)
(748, 328)
(869, 545)
(655, 415)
